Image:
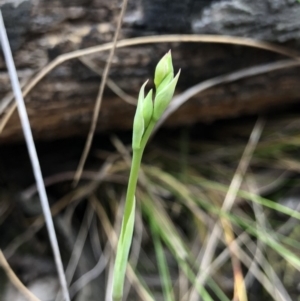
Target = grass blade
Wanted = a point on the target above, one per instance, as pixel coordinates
(162, 265)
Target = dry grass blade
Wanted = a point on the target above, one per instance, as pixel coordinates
(5, 102)
(7, 115)
(73, 196)
(149, 40)
(277, 292)
(258, 254)
(110, 83)
(229, 200)
(259, 275)
(92, 274)
(79, 244)
(240, 292)
(99, 98)
(15, 280)
(275, 286)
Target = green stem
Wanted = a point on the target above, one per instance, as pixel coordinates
(134, 171)
(127, 228)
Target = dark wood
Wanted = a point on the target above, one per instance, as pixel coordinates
(61, 105)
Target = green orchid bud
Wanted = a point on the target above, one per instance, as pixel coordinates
(142, 116)
(163, 69)
(164, 83)
(148, 108)
(138, 122)
(163, 98)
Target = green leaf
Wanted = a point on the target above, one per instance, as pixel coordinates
(163, 98)
(122, 254)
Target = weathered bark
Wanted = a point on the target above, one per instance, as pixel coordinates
(61, 105)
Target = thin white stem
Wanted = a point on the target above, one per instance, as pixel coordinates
(33, 156)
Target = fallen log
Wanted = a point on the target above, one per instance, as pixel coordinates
(61, 104)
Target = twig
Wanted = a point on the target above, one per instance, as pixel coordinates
(33, 157)
(99, 99)
(149, 40)
(15, 280)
